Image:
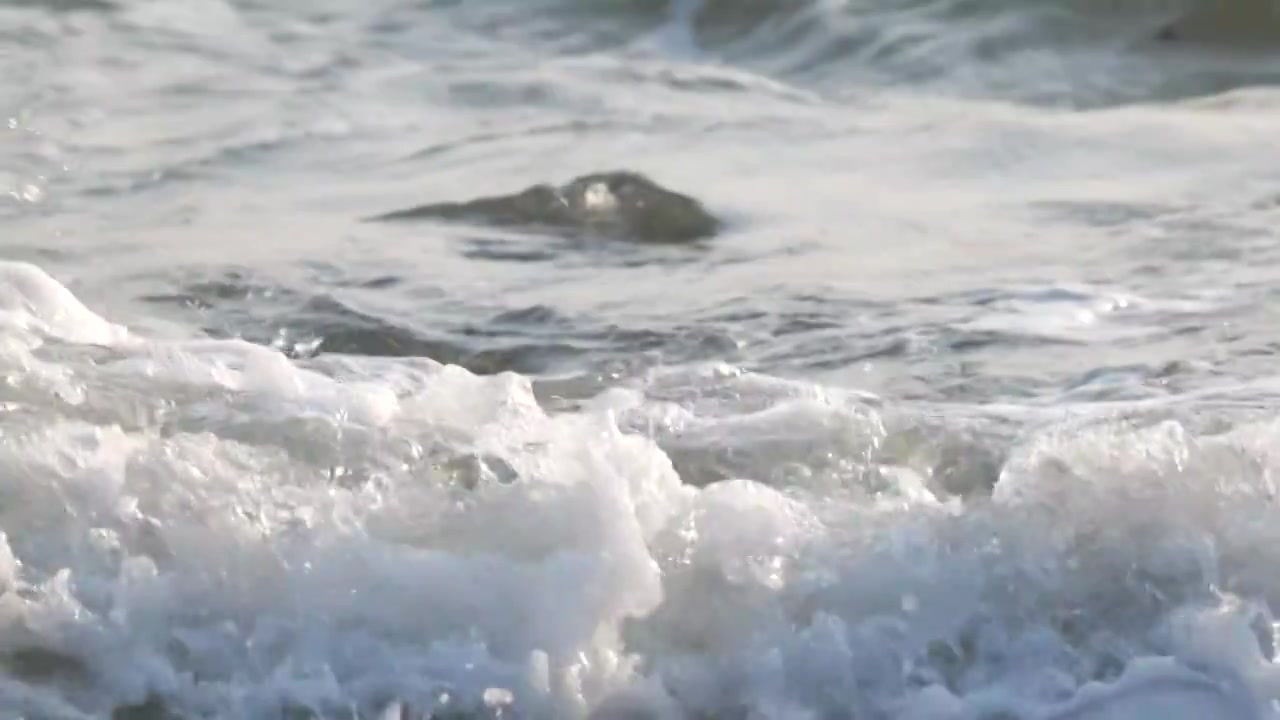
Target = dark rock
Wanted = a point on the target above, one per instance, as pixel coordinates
(621, 205)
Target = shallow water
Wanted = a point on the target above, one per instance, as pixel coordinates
(965, 409)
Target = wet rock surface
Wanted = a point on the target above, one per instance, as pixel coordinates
(616, 205)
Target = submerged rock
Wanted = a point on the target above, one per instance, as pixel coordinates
(1231, 24)
(621, 205)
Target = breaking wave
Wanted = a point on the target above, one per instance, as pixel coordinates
(208, 528)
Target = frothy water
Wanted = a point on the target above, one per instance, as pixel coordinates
(797, 359)
(211, 527)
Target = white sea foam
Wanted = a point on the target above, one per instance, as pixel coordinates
(232, 532)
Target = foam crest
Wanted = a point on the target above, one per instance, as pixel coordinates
(33, 301)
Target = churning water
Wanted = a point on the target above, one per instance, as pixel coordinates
(621, 359)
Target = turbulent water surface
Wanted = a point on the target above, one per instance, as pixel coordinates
(621, 359)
